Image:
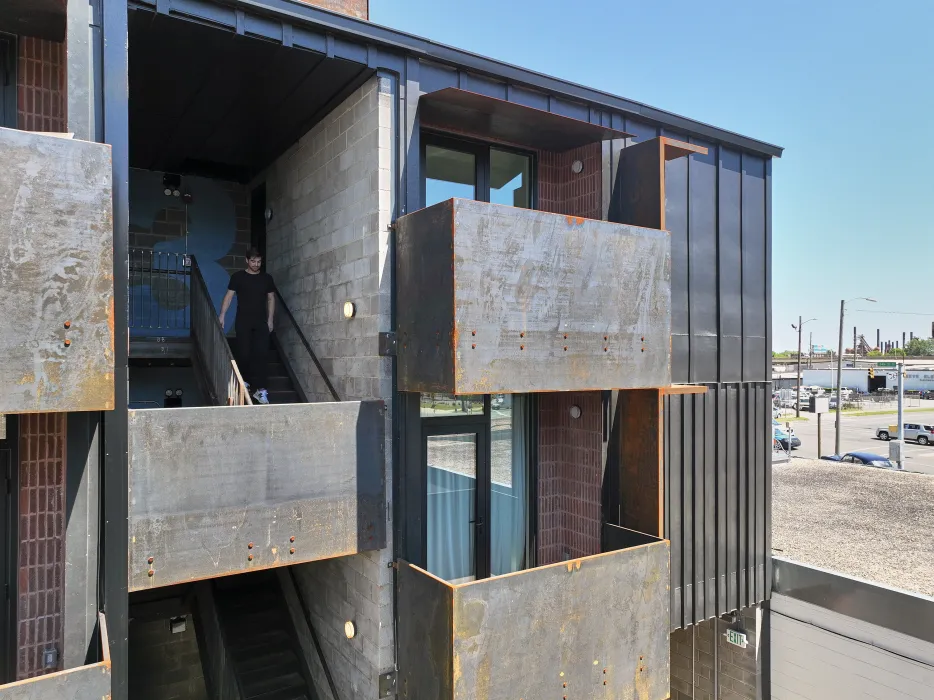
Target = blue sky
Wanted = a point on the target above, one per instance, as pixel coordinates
(846, 87)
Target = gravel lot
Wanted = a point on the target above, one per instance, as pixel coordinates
(874, 524)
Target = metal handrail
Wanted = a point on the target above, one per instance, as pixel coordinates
(222, 374)
(304, 341)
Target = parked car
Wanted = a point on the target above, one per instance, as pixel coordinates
(922, 434)
(865, 458)
(782, 436)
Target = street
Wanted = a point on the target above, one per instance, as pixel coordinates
(859, 434)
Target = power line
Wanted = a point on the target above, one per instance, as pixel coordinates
(899, 313)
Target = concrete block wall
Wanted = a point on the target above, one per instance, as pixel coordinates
(163, 665)
(327, 243)
(704, 666)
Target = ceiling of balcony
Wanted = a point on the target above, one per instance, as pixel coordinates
(209, 102)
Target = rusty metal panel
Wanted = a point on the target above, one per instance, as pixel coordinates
(425, 607)
(207, 483)
(56, 274)
(495, 299)
(591, 627)
(89, 682)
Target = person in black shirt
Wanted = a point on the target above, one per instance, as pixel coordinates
(256, 308)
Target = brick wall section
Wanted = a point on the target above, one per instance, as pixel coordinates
(42, 449)
(328, 242)
(162, 665)
(693, 659)
(570, 459)
(40, 85)
(355, 8)
(561, 191)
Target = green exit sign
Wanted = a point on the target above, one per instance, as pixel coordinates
(885, 364)
(737, 638)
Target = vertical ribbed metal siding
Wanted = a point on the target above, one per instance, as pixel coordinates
(718, 445)
(716, 452)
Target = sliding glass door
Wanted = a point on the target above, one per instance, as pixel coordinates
(475, 452)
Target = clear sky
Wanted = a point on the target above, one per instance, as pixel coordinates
(846, 87)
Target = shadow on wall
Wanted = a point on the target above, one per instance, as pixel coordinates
(206, 228)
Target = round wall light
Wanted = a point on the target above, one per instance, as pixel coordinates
(268, 214)
(350, 631)
(575, 412)
(350, 309)
(577, 167)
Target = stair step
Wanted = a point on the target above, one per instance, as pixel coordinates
(285, 694)
(268, 684)
(276, 369)
(244, 641)
(283, 397)
(278, 383)
(265, 659)
(283, 665)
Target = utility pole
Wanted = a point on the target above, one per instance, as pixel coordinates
(836, 443)
(810, 347)
(798, 328)
(840, 369)
(901, 425)
(854, 347)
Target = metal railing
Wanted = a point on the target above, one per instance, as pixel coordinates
(158, 290)
(222, 375)
(286, 312)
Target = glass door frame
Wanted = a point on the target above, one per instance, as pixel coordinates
(479, 425)
(480, 150)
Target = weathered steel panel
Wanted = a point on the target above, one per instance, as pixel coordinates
(207, 483)
(426, 631)
(591, 627)
(83, 683)
(541, 302)
(56, 274)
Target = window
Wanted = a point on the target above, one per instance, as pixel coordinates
(8, 81)
(470, 170)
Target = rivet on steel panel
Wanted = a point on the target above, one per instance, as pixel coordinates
(522, 347)
(250, 558)
(565, 348)
(250, 546)
(151, 572)
(522, 335)
(67, 342)
(291, 550)
(473, 333)
(292, 539)
(67, 324)
(473, 346)
(151, 560)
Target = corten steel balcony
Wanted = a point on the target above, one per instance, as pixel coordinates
(591, 627)
(89, 682)
(56, 274)
(496, 299)
(222, 490)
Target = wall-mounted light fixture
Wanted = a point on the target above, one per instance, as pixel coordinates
(577, 167)
(172, 185)
(350, 309)
(350, 631)
(268, 214)
(575, 411)
(177, 625)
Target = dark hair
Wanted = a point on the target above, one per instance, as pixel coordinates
(253, 253)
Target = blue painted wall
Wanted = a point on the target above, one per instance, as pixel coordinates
(217, 230)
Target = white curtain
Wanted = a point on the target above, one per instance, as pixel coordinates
(509, 503)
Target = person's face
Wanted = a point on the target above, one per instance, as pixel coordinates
(254, 264)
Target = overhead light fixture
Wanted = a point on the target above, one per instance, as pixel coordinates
(350, 309)
(575, 412)
(577, 167)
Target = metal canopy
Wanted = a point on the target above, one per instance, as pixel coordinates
(43, 19)
(462, 110)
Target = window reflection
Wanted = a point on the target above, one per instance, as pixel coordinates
(510, 179)
(509, 502)
(440, 405)
(449, 173)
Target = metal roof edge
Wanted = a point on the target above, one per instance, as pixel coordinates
(411, 43)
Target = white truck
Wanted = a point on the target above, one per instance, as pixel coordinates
(920, 433)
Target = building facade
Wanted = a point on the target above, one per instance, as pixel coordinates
(519, 434)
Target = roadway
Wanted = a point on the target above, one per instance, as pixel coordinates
(859, 434)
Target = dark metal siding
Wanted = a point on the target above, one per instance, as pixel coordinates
(716, 457)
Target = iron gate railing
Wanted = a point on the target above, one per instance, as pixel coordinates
(159, 290)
